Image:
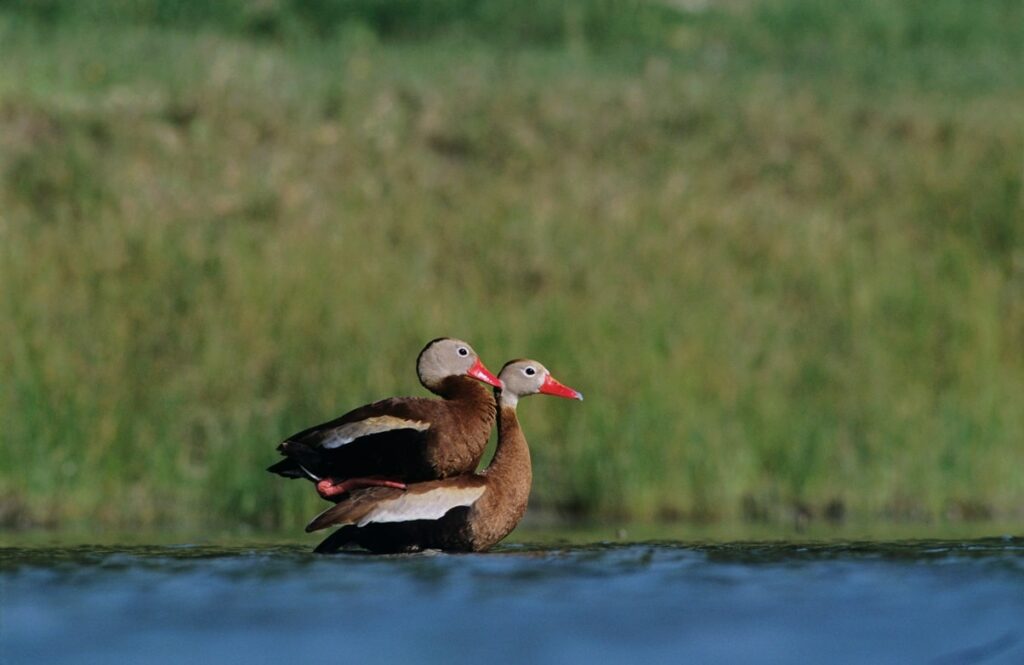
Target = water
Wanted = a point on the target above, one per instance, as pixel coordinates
(659, 602)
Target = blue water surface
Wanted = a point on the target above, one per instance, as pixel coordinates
(660, 602)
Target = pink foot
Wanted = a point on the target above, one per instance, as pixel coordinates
(327, 488)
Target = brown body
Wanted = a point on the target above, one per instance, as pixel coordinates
(467, 513)
(473, 528)
(454, 443)
(407, 439)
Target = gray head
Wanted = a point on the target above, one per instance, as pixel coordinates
(445, 357)
(528, 377)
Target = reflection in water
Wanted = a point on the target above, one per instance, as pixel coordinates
(914, 601)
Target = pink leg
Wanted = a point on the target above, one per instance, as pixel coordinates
(327, 488)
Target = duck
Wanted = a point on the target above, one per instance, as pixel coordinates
(400, 440)
(465, 513)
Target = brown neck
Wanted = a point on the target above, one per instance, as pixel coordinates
(511, 462)
(508, 479)
(462, 388)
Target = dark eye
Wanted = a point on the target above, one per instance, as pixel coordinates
(529, 371)
(463, 351)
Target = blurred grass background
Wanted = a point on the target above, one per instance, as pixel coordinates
(779, 245)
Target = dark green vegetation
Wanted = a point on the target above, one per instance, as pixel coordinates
(779, 246)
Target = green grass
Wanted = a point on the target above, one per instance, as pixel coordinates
(779, 245)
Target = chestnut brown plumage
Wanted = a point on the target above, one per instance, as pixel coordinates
(402, 439)
(470, 512)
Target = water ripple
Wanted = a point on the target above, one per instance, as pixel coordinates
(895, 602)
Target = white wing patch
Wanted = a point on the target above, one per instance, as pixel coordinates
(349, 432)
(430, 505)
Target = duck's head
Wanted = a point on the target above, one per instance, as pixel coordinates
(446, 357)
(529, 377)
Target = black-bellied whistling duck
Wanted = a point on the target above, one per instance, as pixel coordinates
(402, 439)
(464, 513)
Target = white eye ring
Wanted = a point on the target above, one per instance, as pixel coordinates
(463, 351)
(529, 371)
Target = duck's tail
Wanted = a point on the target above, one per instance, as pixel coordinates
(299, 459)
(334, 542)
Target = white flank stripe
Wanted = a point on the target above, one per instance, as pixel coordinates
(349, 432)
(430, 505)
